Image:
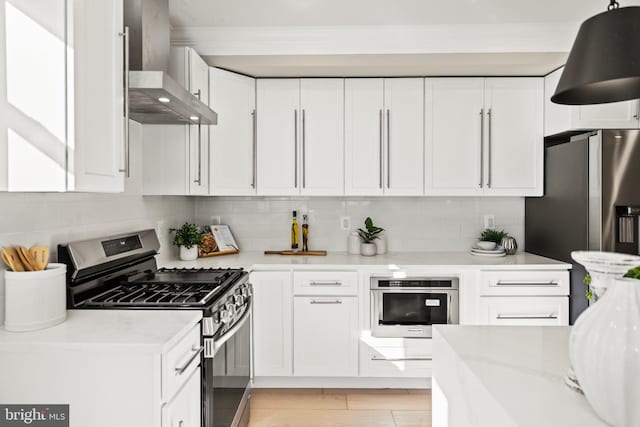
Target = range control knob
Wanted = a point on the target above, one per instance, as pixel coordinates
(231, 308)
(224, 316)
(239, 299)
(245, 290)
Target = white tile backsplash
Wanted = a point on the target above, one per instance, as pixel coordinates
(412, 224)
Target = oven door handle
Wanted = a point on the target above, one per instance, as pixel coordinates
(218, 343)
(449, 302)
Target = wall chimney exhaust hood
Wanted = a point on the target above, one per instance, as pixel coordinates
(154, 96)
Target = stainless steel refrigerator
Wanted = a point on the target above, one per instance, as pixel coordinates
(591, 201)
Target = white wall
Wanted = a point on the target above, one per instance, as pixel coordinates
(412, 224)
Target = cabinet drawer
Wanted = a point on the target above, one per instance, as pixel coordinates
(518, 311)
(179, 362)
(534, 283)
(184, 408)
(396, 361)
(325, 283)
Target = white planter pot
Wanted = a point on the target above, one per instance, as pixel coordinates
(367, 249)
(188, 254)
(604, 353)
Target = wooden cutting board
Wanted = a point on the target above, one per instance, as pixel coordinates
(289, 252)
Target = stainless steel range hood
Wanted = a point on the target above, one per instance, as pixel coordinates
(154, 96)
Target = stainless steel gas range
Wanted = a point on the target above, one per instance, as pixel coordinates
(120, 272)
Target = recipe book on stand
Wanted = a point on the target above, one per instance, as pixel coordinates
(217, 240)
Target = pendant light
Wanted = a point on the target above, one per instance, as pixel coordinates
(604, 62)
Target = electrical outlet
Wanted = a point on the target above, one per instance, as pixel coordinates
(214, 220)
(490, 222)
(345, 223)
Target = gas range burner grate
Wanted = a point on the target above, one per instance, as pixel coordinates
(165, 295)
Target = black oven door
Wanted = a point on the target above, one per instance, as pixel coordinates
(226, 378)
(414, 308)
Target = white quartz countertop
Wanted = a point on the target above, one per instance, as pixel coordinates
(133, 330)
(507, 376)
(259, 261)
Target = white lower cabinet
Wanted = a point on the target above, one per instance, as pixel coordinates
(521, 311)
(272, 345)
(184, 409)
(325, 336)
(404, 358)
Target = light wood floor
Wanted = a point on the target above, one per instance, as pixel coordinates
(340, 408)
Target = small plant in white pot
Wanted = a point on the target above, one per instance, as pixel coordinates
(187, 237)
(368, 236)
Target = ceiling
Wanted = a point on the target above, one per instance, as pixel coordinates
(249, 13)
(347, 38)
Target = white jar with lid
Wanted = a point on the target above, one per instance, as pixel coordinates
(353, 243)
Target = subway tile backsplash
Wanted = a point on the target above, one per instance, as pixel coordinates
(412, 224)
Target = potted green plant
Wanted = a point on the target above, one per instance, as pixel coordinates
(368, 235)
(491, 238)
(187, 237)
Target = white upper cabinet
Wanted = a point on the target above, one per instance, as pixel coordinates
(561, 118)
(322, 151)
(514, 142)
(62, 130)
(363, 133)
(176, 157)
(404, 137)
(454, 127)
(484, 137)
(300, 137)
(233, 157)
(278, 110)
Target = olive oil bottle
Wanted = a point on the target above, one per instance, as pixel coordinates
(305, 234)
(294, 231)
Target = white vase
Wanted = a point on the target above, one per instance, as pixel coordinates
(605, 353)
(381, 245)
(188, 254)
(368, 249)
(604, 267)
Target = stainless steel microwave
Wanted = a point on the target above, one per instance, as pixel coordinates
(407, 308)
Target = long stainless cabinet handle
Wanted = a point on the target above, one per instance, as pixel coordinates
(127, 145)
(324, 301)
(381, 120)
(401, 359)
(637, 114)
(525, 283)
(327, 283)
(254, 181)
(388, 148)
(304, 149)
(199, 180)
(490, 116)
(481, 147)
(526, 316)
(196, 352)
(295, 148)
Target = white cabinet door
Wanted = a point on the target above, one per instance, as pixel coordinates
(272, 318)
(233, 151)
(278, 109)
(322, 125)
(198, 75)
(562, 118)
(514, 141)
(454, 127)
(404, 148)
(96, 96)
(325, 336)
(363, 133)
(184, 410)
(524, 311)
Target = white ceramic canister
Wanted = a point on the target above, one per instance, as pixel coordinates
(35, 299)
(353, 243)
(381, 245)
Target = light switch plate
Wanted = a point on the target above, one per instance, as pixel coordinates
(345, 223)
(490, 222)
(214, 220)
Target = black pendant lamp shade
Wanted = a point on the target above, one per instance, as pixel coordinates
(604, 62)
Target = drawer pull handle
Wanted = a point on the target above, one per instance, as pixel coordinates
(526, 316)
(516, 283)
(197, 350)
(322, 301)
(328, 283)
(401, 359)
(415, 330)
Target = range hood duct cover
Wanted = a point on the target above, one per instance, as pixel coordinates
(149, 80)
